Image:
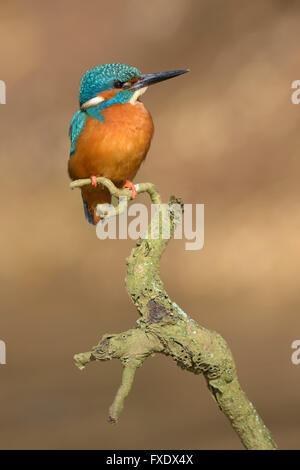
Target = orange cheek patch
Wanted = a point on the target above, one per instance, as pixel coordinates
(108, 95)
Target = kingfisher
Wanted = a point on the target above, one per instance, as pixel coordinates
(112, 131)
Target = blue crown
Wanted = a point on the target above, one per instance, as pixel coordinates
(105, 77)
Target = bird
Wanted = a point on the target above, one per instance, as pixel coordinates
(112, 130)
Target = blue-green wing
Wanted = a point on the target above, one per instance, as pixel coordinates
(76, 126)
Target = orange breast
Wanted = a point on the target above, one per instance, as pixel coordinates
(116, 147)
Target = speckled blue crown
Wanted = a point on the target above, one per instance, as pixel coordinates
(103, 77)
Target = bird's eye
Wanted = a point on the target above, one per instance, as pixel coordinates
(124, 85)
(118, 84)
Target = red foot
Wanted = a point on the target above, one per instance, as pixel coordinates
(130, 185)
(94, 181)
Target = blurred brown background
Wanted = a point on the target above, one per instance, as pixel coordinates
(227, 135)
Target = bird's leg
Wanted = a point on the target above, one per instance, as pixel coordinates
(130, 185)
(94, 180)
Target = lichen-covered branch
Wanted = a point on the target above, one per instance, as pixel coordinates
(117, 192)
(164, 328)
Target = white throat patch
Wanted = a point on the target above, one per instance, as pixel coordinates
(137, 94)
(92, 102)
(98, 99)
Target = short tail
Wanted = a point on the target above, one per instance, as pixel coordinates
(91, 197)
(89, 215)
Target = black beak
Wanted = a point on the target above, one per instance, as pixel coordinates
(151, 78)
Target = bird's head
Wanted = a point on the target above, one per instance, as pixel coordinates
(117, 83)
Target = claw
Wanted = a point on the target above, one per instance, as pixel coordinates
(94, 181)
(130, 185)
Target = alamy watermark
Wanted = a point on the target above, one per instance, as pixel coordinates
(295, 96)
(2, 352)
(295, 357)
(2, 92)
(187, 219)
